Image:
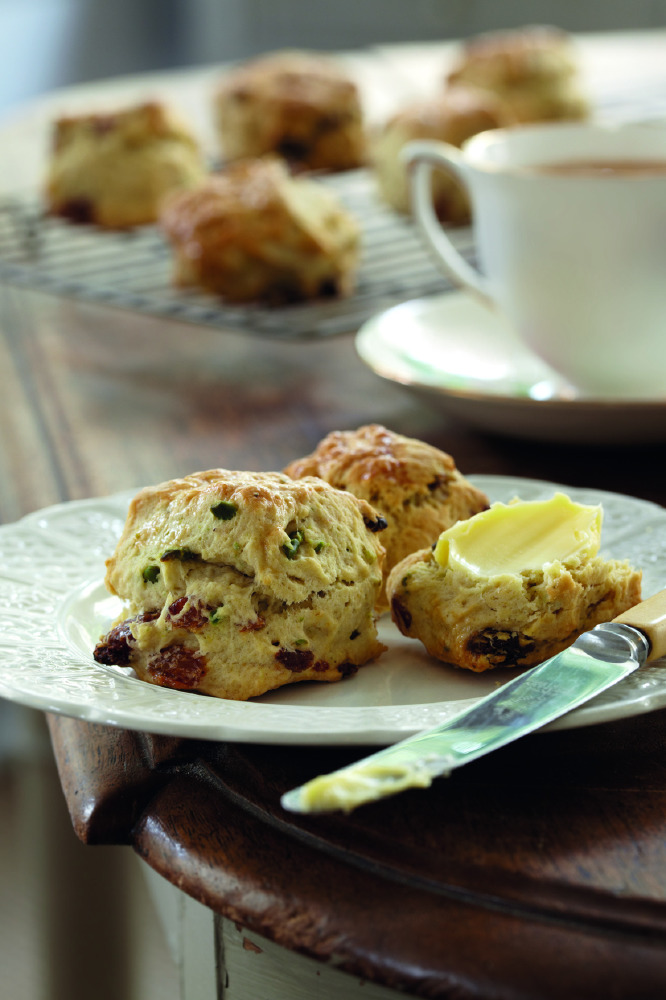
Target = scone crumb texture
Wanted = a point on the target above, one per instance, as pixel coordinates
(237, 583)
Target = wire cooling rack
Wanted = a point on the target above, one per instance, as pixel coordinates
(132, 270)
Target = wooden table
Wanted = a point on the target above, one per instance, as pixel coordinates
(538, 873)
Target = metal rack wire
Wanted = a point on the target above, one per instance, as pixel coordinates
(132, 270)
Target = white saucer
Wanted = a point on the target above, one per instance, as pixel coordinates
(458, 353)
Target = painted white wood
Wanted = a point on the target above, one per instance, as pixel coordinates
(257, 969)
(189, 929)
(219, 960)
(167, 906)
(199, 977)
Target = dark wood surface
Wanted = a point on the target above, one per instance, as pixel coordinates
(539, 872)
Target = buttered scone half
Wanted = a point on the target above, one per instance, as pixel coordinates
(414, 486)
(534, 70)
(512, 586)
(236, 583)
(300, 105)
(115, 169)
(254, 232)
(453, 117)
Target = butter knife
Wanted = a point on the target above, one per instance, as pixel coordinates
(597, 660)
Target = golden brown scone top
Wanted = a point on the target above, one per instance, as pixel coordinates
(299, 105)
(243, 520)
(296, 78)
(534, 70)
(115, 169)
(372, 460)
(130, 126)
(218, 209)
(414, 485)
(508, 58)
(254, 232)
(452, 116)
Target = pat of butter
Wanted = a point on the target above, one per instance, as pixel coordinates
(522, 536)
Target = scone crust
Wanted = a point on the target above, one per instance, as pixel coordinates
(115, 169)
(253, 232)
(453, 117)
(297, 104)
(506, 621)
(238, 583)
(415, 486)
(534, 70)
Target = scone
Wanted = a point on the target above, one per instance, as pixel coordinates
(512, 586)
(253, 232)
(415, 486)
(114, 170)
(533, 70)
(300, 105)
(236, 583)
(453, 117)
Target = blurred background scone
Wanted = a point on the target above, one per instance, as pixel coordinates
(253, 232)
(300, 105)
(237, 583)
(415, 486)
(115, 169)
(533, 70)
(453, 116)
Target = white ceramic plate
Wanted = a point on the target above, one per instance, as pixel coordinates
(459, 354)
(53, 608)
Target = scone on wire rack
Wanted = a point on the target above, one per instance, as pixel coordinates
(300, 105)
(252, 232)
(533, 70)
(236, 583)
(416, 487)
(115, 169)
(511, 586)
(453, 117)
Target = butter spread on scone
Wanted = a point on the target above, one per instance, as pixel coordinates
(414, 485)
(253, 232)
(514, 538)
(300, 105)
(114, 169)
(512, 586)
(236, 583)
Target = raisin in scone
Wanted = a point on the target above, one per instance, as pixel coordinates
(533, 70)
(415, 486)
(236, 583)
(115, 169)
(512, 586)
(253, 232)
(453, 117)
(300, 105)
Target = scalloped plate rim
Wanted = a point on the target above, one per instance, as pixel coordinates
(78, 687)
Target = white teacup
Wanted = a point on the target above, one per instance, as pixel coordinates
(570, 228)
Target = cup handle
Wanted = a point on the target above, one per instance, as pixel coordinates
(421, 158)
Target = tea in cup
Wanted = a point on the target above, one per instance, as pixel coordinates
(570, 229)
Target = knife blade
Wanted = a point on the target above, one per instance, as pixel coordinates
(596, 661)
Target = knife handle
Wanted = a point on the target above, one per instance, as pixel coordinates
(650, 617)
